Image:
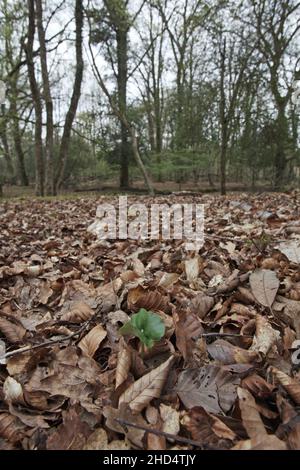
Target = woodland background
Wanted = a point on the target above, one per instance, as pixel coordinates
(179, 94)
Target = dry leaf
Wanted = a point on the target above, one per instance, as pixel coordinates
(15, 333)
(123, 365)
(264, 285)
(291, 250)
(209, 429)
(292, 386)
(91, 342)
(141, 392)
(210, 387)
(252, 422)
(79, 312)
(265, 336)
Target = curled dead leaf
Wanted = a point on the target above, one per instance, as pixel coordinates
(12, 330)
(91, 342)
(291, 385)
(123, 365)
(265, 336)
(79, 313)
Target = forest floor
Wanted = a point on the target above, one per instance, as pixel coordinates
(225, 375)
(95, 187)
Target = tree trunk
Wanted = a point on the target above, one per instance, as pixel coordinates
(122, 53)
(4, 140)
(139, 161)
(36, 97)
(21, 170)
(65, 141)
(49, 164)
(281, 138)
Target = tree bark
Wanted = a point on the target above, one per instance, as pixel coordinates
(21, 170)
(4, 140)
(122, 53)
(49, 164)
(65, 141)
(36, 97)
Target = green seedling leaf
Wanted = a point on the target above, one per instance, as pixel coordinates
(146, 326)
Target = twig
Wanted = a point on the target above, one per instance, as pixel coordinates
(46, 343)
(222, 335)
(167, 435)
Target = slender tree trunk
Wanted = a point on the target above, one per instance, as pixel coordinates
(49, 164)
(139, 161)
(281, 138)
(4, 140)
(122, 53)
(21, 170)
(223, 123)
(65, 141)
(36, 97)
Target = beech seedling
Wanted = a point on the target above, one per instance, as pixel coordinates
(146, 326)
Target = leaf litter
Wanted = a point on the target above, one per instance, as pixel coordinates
(224, 376)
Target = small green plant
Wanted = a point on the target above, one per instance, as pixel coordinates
(146, 326)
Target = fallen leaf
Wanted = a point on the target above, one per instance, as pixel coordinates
(141, 392)
(265, 336)
(291, 250)
(264, 285)
(91, 342)
(210, 387)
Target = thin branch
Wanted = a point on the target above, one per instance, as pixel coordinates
(46, 343)
(182, 440)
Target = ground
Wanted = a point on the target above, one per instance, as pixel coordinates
(225, 374)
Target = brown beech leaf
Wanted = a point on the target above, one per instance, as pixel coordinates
(141, 392)
(258, 386)
(134, 435)
(252, 422)
(264, 285)
(98, 440)
(292, 386)
(155, 442)
(71, 435)
(91, 342)
(210, 387)
(123, 365)
(168, 279)
(266, 442)
(288, 310)
(209, 429)
(201, 305)
(15, 333)
(291, 250)
(226, 353)
(80, 312)
(11, 428)
(13, 391)
(150, 300)
(294, 437)
(187, 329)
(265, 336)
(170, 418)
(251, 419)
